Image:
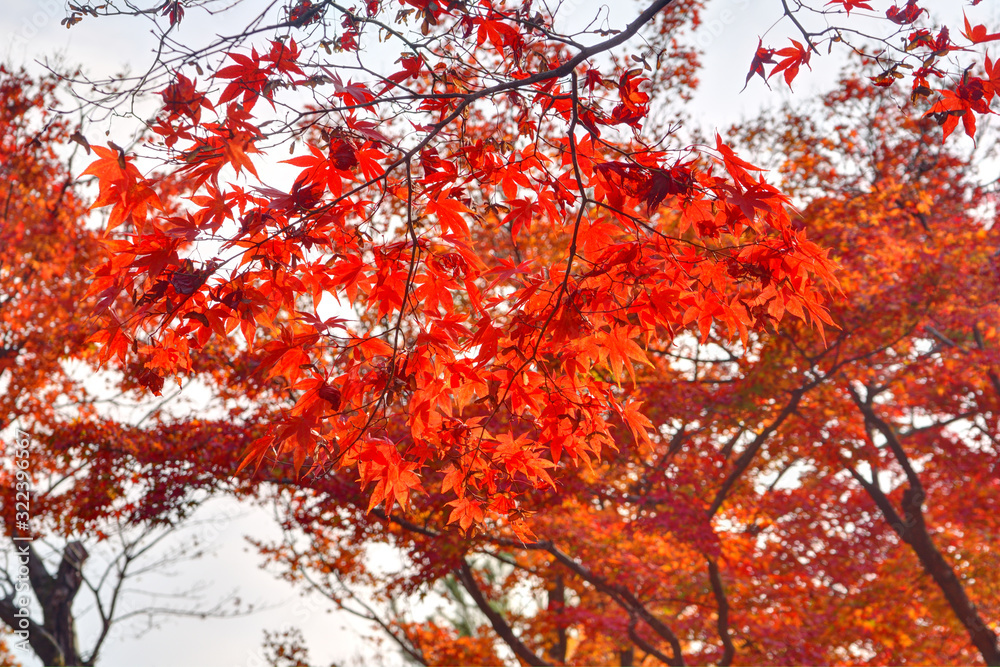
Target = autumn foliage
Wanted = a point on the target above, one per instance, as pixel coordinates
(93, 476)
(798, 502)
(490, 306)
(489, 348)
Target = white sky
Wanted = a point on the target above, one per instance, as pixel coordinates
(32, 31)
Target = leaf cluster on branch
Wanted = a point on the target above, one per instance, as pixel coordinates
(500, 312)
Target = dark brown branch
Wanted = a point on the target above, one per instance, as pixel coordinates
(557, 600)
(981, 344)
(912, 529)
(625, 599)
(496, 619)
(728, 649)
(637, 639)
(918, 537)
(53, 640)
(881, 500)
(42, 643)
(747, 457)
(883, 427)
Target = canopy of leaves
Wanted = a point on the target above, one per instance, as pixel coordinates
(91, 475)
(494, 286)
(795, 489)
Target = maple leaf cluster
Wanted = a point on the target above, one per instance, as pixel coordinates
(45, 254)
(769, 518)
(459, 327)
(90, 477)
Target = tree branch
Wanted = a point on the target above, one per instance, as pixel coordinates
(728, 649)
(496, 619)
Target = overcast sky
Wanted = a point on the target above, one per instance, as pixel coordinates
(33, 32)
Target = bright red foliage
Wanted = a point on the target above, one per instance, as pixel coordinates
(792, 491)
(468, 339)
(82, 479)
(507, 245)
(496, 285)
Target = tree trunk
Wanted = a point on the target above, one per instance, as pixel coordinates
(53, 640)
(914, 532)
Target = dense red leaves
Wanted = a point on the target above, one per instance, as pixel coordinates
(747, 468)
(104, 471)
(508, 242)
(492, 286)
(44, 253)
(922, 211)
(76, 482)
(138, 475)
(450, 331)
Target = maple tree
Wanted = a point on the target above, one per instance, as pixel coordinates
(775, 516)
(100, 492)
(386, 226)
(394, 195)
(469, 300)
